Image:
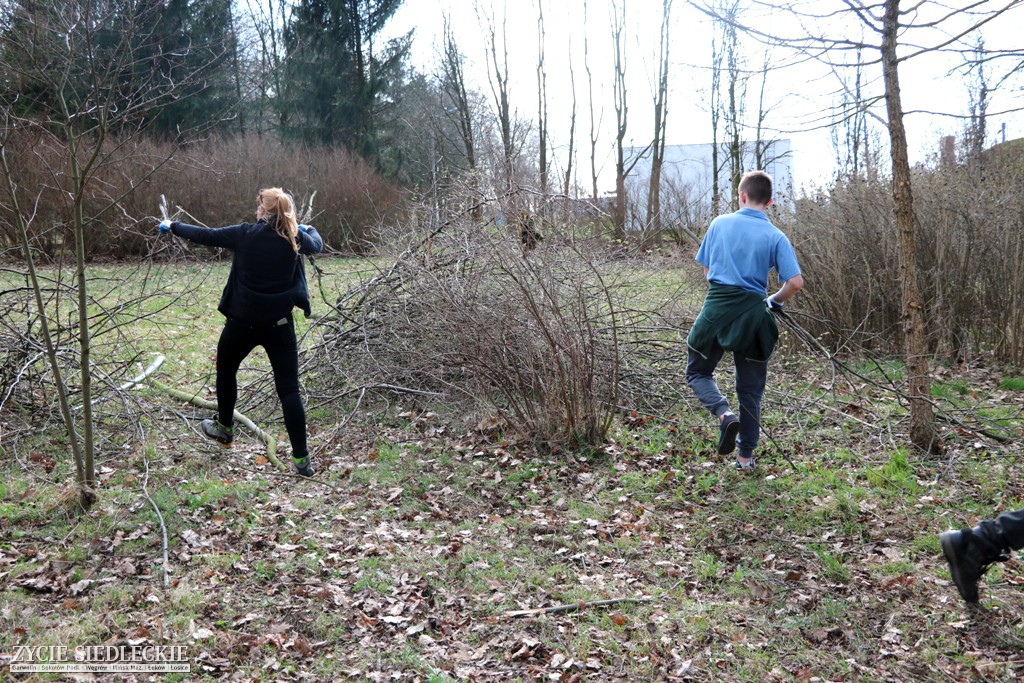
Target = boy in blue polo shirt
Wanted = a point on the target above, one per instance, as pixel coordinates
(737, 253)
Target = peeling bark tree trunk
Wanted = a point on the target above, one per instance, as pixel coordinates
(922, 419)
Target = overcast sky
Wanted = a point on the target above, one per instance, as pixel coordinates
(799, 95)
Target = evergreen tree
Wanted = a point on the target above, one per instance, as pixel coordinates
(194, 37)
(336, 87)
(147, 48)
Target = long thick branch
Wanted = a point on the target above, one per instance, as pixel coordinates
(266, 438)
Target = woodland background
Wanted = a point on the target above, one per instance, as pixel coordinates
(499, 424)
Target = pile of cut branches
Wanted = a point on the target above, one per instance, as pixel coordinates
(539, 340)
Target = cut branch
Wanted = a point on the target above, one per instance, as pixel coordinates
(572, 607)
(195, 400)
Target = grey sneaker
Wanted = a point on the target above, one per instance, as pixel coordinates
(303, 466)
(746, 466)
(218, 432)
(728, 428)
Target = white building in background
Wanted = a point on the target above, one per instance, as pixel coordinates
(686, 181)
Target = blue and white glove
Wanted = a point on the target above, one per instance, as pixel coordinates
(165, 226)
(304, 228)
(773, 305)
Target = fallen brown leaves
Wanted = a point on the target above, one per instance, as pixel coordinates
(409, 566)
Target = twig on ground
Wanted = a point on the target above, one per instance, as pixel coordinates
(159, 516)
(572, 607)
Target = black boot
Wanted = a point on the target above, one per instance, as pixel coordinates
(969, 553)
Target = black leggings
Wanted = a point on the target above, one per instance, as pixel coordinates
(237, 340)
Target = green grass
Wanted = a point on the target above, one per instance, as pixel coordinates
(954, 389)
(897, 474)
(833, 567)
(1012, 383)
(787, 574)
(887, 370)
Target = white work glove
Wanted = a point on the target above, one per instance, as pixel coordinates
(773, 305)
(165, 226)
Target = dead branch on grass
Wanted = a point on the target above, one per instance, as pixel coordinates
(195, 400)
(572, 607)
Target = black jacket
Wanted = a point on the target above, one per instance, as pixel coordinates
(267, 277)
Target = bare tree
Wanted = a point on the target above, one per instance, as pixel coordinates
(978, 91)
(922, 420)
(497, 76)
(236, 66)
(715, 106)
(542, 104)
(762, 147)
(453, 84)
(849, 129)
(571, 156)
(621, 116)
(265, 18)
(90, 99)
(736, 94)
(594, 127)
(660, 124)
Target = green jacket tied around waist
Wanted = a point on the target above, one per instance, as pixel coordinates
(738, 320)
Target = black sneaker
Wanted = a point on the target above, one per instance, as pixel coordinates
(969, 557)
(218, 432)
(727, 431)
(303, 466)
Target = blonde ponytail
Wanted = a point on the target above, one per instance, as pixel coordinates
(279, 204)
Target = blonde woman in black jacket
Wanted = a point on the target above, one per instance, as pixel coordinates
(266, 282)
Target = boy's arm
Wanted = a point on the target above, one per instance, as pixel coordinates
(227, 238)
(786, 265)
(788, 289)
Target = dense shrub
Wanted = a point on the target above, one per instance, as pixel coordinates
(215, 181)
(970, 233)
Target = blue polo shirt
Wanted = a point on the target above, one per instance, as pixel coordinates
(740, 249)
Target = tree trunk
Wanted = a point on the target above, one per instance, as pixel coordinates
(590, 95)
(621, 119)
(542, 105)
(572, 148)
(454, 84)
(500, 91)
(660, 121)
(86, 494)
(735, 145)
(87, 479)
(922, 420)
